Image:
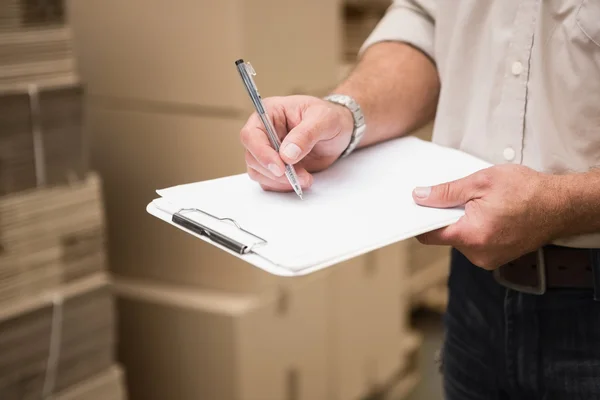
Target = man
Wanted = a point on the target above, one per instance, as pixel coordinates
(516, 83)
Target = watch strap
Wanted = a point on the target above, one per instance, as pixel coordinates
(359, 120)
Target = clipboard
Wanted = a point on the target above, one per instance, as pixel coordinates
(361, 203)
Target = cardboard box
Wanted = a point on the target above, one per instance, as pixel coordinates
(369, 308)
(137, 153)
(107, 385)
(50, 237)
(423, 256)
(72, 338)
(23, 46)
(51, 151)
(190, 344)
(152, 50)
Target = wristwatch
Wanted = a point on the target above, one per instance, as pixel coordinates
(359, 119)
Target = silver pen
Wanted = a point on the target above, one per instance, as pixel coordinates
(246, 72)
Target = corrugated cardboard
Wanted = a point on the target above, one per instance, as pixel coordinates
(107, 385)
(369, 308)
(137, 153)
(423, 256)
(427, 265)
(189, 344)
(38, 326)
(19, 15)
(49, 237)
(408, 373)
(20, 47)
(35, 46)
(42, 144)
(184, 53)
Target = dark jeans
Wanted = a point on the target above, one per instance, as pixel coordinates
(502, 344)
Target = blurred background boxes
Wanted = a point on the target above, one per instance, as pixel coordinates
(192, 344)
(57, 318)
(35, 45)
(155, 51)
(43, 140)
(341, 333)
(57, 324)
(369, 321)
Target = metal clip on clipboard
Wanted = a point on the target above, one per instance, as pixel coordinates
(233, 244)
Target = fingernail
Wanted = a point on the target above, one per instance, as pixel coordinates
(291, 151)
(422, 192)
(275, 170)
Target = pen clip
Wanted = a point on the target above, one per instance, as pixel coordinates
(249, 68)
(250, 71)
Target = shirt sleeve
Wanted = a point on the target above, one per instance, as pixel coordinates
(409, 21)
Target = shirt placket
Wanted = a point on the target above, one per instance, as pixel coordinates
(513, 106)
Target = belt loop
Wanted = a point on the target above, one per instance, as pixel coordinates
(595, 265)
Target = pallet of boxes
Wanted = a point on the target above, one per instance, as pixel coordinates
(166, 106)
(57, 319)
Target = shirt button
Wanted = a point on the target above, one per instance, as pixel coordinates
(517, 68)
(509, 154)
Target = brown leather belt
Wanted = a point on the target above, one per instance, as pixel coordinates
(549, 267)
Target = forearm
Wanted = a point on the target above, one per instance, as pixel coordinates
(397, 87)
(579, 211)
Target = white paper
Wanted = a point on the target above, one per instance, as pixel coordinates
(361, 203)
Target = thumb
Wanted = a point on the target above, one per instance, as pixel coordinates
(303, 137)
(450, 194)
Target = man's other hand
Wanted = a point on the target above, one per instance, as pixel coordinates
(510, 210)
(314, 133)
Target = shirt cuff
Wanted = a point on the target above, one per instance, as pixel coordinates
(403, 24)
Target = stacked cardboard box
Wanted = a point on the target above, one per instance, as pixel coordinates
(41, 137)
(35, 45)
(166, 106)
(36, 56)
(24, 14)
(336, 335)
(360, 18)
(57, 321)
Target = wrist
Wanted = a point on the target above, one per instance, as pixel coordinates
(358, 120)
(558, 205)
(568, 196)
(346, 122)
(580, 203)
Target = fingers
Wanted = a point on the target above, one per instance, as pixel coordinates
(253, 163)
(256, 142)
(279, 184)
(269, 181)
(454, 235)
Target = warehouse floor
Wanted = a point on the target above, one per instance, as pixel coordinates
(430, 326)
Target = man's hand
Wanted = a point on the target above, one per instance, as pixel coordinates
(314, 133)
(510, 210)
